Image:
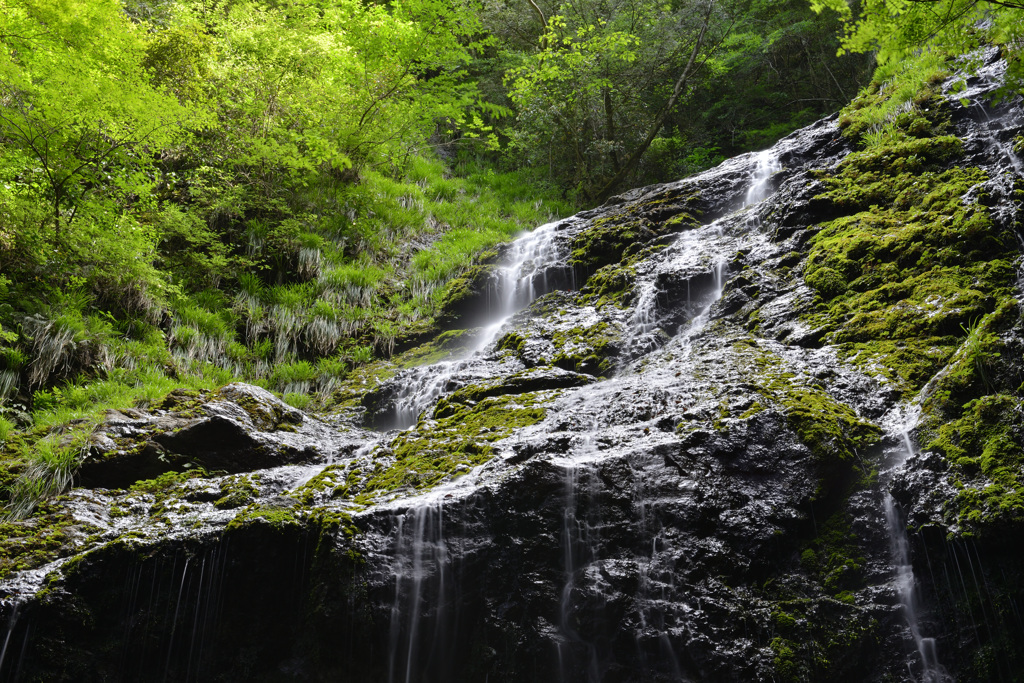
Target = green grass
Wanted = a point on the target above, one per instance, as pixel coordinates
(294, 303)
(50, 466)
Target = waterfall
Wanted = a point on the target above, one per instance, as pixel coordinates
(698, 259)
(906, 583)
(766, 164)
(423, 613)
(526, 275)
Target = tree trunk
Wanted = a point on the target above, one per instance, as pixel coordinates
(681, 82)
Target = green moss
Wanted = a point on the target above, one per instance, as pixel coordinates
(902, 276)
(512, 341)
(833, 432)
(809, 560)
(816, 625)
(349, 393)
(49, 533)
(268, 416)
(830, 429)
(440, 347)
(277, 517)
(836, 436)
(438, 448)
(167, 482)
(610, 285)
(237, 491)
(331, 482)
(842, 565)
(752, 410)
(985, 447)
(785, 660)
(827, 282)
(461, 292)
(607, 240)
(591, 350)
(182, 399)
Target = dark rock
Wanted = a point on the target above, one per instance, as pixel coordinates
(668, 468)
(241, 428)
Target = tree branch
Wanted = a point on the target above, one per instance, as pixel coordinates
(680, 83)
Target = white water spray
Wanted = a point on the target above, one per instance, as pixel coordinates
(766, 164)
(524, 277)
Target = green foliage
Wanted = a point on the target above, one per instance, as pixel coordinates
(73, 134)
(207, 221)
(904, 29)
(49, 469)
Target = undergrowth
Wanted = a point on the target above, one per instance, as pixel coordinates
(292, 298)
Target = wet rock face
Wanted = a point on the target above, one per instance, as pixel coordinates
(241, 429)
(663, 454)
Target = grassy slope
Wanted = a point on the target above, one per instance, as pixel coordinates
(361, 270)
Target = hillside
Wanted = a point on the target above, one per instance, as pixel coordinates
(760, 423)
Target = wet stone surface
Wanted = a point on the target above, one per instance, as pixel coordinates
(657, 460)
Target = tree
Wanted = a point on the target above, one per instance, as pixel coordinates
(76, 100)
(896, 29)
(603, 82)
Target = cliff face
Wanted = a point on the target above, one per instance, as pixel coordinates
(760, 424)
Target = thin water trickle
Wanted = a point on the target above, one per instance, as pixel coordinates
(906, 583)
(580, 547)
(12, 621)
(419, 615)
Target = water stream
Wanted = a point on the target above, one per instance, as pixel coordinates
(931, 670)
(423, 606)
(533, 266)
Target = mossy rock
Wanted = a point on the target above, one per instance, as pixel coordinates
(608, 239)
(435, 449)
(827, 282)
(611, 284)
(901, 278)
(49, 533)
(465, 296)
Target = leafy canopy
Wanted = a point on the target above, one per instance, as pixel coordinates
(897, 29)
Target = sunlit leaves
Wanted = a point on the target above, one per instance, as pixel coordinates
(894, 29)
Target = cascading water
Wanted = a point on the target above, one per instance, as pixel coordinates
(766, 164)
(700, 258)
(526, 275)
(579, 548)
(534, 266)
(424, 604)
(931, 671)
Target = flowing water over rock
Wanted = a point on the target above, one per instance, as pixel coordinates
(662, 451)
